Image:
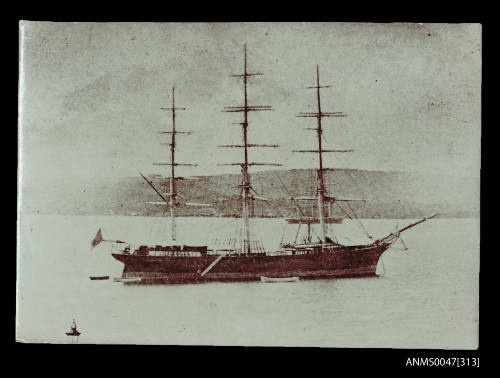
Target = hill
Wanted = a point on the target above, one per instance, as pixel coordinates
(387, 194)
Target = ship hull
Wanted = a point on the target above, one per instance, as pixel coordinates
(349, 261)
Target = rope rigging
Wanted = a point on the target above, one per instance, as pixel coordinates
(355, 218)
(289, 194)
(359, 222)
(268, 203)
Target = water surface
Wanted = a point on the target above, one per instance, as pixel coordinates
(426, 297)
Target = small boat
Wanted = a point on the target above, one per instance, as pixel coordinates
(94, 278)
(279, 279)
(127, 279)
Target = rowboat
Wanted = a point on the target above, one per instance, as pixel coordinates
(127, 279)
(279, 279)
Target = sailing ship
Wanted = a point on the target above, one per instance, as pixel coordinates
(246, 259)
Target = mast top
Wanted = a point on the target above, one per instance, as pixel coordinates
(173, 108)
(245, 74)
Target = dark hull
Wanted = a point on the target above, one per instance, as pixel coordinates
(348, 261)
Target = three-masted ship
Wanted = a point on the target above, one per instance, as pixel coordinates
(247, 259)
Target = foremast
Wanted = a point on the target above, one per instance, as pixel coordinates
(322, 196)
(172, 194)
(245, 185)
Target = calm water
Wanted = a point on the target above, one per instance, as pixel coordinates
(426, 297)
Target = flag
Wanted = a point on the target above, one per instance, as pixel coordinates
(97, 239)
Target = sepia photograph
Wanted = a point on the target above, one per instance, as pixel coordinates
(270, 184)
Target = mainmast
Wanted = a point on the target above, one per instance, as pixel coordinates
(321, 193)
(172, 194)
(172, 173)
(321, 183)
(245, 185)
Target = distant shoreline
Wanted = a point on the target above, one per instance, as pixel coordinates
(383, 195)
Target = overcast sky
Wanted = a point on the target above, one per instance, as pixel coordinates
(91, 95)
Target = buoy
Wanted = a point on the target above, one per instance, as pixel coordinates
(74, 333)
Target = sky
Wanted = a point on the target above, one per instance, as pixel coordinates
(90, 96)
